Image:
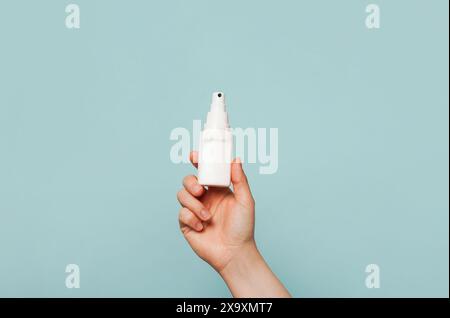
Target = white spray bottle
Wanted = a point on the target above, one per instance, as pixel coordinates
(216, 146)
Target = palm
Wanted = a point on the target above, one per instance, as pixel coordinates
(229, 227)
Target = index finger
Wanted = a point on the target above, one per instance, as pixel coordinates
(193, 157)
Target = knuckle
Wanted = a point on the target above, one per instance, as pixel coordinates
(189, 218)
(189, 180)
(180, 195)
(183, 215)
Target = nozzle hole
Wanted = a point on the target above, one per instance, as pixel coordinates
(219, 95)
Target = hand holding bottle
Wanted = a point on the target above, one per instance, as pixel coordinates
(219, 226)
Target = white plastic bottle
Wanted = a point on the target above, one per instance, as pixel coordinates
(216, 146)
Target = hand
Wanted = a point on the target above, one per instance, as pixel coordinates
(219, 226)
(217, 222)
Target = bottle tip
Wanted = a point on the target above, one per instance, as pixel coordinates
(218, 96)
(217, 116)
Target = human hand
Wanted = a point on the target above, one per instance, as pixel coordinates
(217, 223)
(219, 226)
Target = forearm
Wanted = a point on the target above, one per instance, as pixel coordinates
(248, 275)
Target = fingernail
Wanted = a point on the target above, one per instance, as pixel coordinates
(198, 226)
(238, 160)
(205, 214)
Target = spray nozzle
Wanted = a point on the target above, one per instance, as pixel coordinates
(218, 101)
(217, 116)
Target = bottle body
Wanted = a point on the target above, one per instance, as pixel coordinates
(215, 146)
(215, 155)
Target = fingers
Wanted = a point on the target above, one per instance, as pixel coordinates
(187, 218)
(193, 211)
(238, 178)
(193, 156)
(240, 183)
(191, 184)
(187, 200)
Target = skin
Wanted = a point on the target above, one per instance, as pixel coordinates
(218, 224)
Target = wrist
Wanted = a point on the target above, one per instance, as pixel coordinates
(245, 258)
(248, 275)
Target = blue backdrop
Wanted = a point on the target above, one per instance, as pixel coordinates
(86, 114)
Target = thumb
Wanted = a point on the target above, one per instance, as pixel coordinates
(240, 183)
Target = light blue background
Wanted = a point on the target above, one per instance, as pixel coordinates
(85, 118)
